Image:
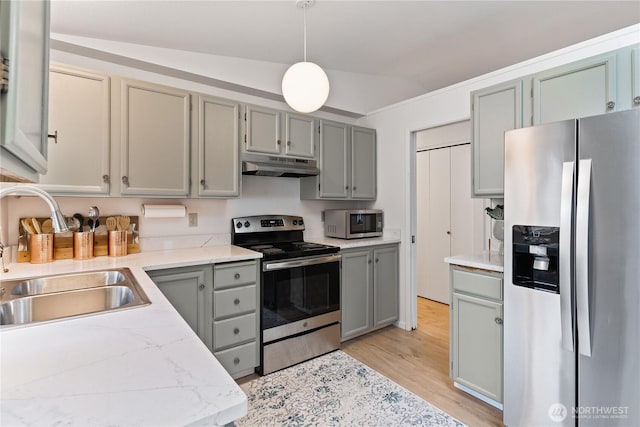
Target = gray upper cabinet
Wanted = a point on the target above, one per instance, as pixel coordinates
(494, 111)
(217, 155)
(347, 164)
(262, 130)
(190, 291)
(334, 160)
(635, 77)
(300, 135)
(154, 132)
(584, 88)
(79, 103)
(363, 163)
(24, 45)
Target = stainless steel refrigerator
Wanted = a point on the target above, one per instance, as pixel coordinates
(572, 273)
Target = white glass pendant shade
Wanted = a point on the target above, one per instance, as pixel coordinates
(305, 87)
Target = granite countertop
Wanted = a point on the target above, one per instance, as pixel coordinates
(141, 366)
(491, 261)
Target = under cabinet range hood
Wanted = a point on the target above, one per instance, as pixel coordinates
(278, 166)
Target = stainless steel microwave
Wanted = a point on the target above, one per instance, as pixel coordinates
(353, 224)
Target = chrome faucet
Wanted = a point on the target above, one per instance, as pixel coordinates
(57, 219)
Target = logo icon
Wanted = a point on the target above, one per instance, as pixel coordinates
(557, 412)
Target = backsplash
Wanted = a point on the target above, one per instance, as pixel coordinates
(260, 195)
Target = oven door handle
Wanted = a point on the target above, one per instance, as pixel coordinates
(270, 266)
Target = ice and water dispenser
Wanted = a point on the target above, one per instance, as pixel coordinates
(535, 257)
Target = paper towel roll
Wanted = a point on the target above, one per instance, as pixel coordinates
(164, 211)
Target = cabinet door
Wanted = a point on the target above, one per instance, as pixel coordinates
(217, 156)
(300, 135)
(24, 41)
(190, 291)
(356, 296)
(363, 163)
(334, 160)
(581, 89)
(262, 130)
(385, 285)
(477, 344)
(494, 111)
(79, 116)
(635, 77)
(154, 140)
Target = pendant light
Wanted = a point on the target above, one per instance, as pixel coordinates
(305, 85)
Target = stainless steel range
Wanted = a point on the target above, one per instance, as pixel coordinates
(300, 290)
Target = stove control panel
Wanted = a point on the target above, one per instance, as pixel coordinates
(267, 223)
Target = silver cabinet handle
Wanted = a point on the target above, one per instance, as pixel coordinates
(202, 182)
(125, 180)
(236, 360)
(354, 188)
(636, 100)
(369, 261)
(611, 104)
(278, 142)
(201, 287)
(582, 257)
(277, 265)
(377, 260)
(498, 320)
(346, 188)
(236, 276)
(288, 143)
(105, 178)
(566, 199)
(236, 301)
(236, 331)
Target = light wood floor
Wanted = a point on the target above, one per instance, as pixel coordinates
(418, 360)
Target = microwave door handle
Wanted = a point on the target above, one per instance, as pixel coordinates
(582, 257)
(566, 203)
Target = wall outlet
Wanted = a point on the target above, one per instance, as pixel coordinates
(193, 219)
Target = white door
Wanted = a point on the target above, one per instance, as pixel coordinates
(449, 221)
(438, 225)
(467, 214)
(422, 211)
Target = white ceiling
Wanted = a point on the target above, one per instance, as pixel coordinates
(418, 45)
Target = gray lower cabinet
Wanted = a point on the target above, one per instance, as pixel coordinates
(189, 290)
(369, 292)
(476, 332)
(221, 304)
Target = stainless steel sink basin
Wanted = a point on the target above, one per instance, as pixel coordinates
(48, 298)
(68, 282)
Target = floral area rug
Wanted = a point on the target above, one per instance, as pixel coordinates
(335, 390)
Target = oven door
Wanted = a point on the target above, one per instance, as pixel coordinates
(300, 291)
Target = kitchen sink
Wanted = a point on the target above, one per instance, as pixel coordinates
(68, 282)
(47, 298)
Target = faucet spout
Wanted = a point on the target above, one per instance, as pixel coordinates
(57, 219)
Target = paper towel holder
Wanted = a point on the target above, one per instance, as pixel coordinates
(163, 211)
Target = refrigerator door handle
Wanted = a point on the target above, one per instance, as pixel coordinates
(582, 257)
(566, 203)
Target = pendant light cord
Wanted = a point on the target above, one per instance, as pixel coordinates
(305, 32)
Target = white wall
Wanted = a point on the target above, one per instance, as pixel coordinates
(394, 125)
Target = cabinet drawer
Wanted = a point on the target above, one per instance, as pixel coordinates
(234, 331)
(234, 301)
(239, 358)
(235, 274)
(484, 285)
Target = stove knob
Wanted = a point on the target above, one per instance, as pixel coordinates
(239, 225)
(295, 222)
(247, 224)
(300, 222)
